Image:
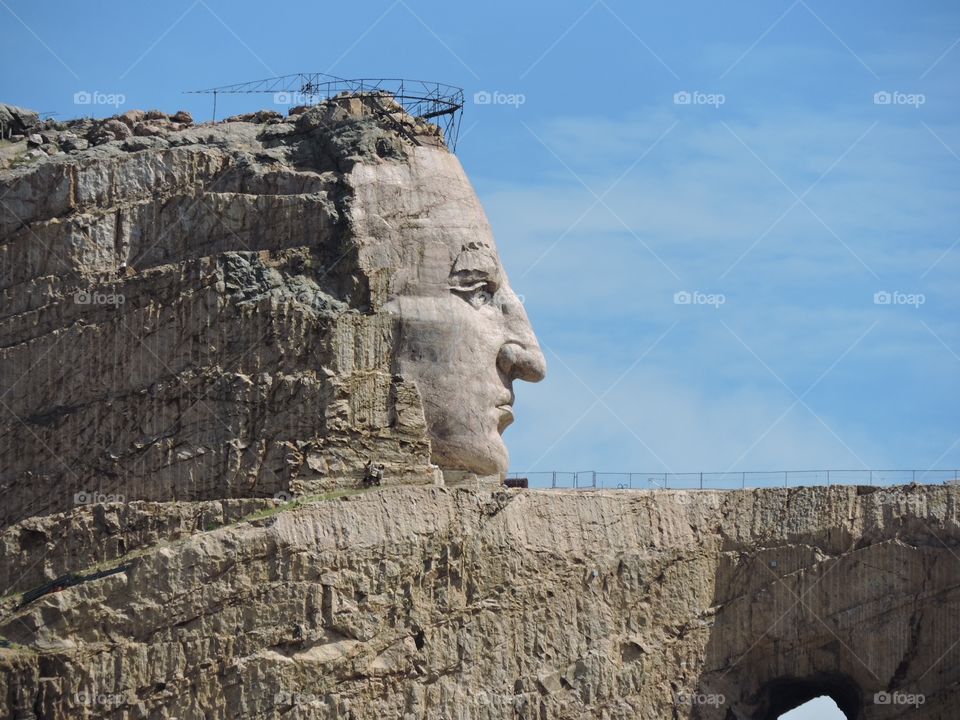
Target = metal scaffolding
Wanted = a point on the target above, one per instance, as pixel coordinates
(436, 102)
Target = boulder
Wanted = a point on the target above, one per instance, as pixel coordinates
(148, 129)
(132, 117)
(70, 142)
(17, 120)
(107, 130)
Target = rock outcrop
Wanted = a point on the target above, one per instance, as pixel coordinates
(458, 604)
(187, 310)
(256, 307)
(15, 122)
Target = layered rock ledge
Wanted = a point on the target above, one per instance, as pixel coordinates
(430, 602)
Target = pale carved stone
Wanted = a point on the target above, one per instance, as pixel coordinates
(464, 336)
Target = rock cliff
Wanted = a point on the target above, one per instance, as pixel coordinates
(187, 310)
(460, 604)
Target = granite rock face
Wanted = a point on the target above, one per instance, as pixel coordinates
(248, 308)
(432, 602)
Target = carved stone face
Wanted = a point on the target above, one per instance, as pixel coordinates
(464, 336)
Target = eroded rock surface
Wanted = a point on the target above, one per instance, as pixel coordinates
(247, 308)
(450, 603)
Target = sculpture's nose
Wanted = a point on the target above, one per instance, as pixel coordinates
(520, 357)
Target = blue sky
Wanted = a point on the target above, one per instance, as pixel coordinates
(821, 708)
(782, 198)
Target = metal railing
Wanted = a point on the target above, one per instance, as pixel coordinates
(594, 480)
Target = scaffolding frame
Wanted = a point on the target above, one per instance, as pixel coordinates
(436, 102)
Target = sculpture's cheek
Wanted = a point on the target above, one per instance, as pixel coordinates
(449, 348)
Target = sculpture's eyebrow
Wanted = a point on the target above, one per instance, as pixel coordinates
(476, 260)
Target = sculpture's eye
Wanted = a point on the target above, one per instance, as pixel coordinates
(475, 275)
(476, 291)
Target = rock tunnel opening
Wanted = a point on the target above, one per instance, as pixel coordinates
(785, 694)
(821, 708)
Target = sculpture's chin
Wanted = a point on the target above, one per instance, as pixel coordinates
(483, 457)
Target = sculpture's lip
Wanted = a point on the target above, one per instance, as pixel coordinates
(506, 416)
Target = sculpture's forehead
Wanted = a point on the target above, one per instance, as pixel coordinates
(430, 189)
(432, 258)
(419, 219)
